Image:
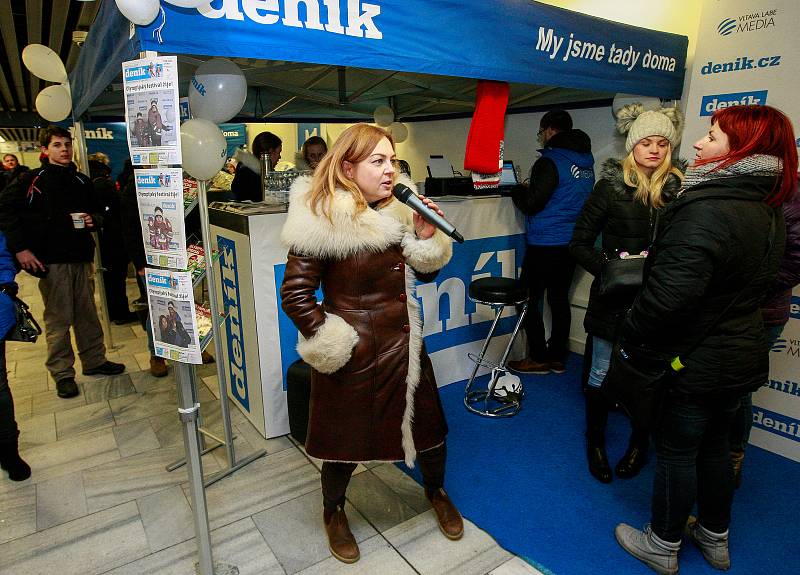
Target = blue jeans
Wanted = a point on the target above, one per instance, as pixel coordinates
(694, 463)
(743, 422)
(601, 357)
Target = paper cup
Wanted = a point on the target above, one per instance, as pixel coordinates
(77, 221)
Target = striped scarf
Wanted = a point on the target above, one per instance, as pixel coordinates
(755, 165)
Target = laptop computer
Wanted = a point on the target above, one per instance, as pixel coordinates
(508, 176)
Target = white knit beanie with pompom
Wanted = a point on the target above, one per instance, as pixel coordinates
(639, 123)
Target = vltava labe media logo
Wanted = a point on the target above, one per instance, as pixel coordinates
(752, 22)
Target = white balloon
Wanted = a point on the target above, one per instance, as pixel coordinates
(203, 147)
(383, 115)
(620, 100)
(140, 12)
(217, 91)
(187, 3)
(398, 131)
(54, 103)
(43, 63)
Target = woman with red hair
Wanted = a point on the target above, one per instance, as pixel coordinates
(709, 268)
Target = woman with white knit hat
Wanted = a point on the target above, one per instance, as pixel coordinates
(624, 208)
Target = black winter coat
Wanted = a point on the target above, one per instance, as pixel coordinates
(711, 246)
(626, 225)
(35, 214)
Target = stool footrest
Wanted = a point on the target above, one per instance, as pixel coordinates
(487, 363)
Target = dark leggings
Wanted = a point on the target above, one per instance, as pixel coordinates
(8, 425)
(336, 476)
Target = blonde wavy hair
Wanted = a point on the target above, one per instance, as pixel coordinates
(354, 145)
(649, 189)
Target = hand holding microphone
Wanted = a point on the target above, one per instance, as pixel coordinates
(427, 209)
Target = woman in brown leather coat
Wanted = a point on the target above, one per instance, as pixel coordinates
(373, 392)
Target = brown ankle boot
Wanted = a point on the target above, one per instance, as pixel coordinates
(341, 542)
(450, 522)
(158, 367)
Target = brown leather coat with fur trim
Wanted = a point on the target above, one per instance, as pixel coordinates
(373, 392)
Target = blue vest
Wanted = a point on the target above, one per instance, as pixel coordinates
(554, 224)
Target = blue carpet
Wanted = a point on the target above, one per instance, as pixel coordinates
(525, 481)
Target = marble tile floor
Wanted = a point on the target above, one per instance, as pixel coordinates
(100, 500)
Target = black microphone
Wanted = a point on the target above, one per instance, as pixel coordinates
(409, 198)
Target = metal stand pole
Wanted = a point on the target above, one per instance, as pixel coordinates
(80, 143)
(233, 464)
(187, 410)
(202, 201)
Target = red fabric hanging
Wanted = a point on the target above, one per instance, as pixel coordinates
(487, 128)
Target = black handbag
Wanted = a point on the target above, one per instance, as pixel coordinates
(636, 381)
(621, 275)
(26, 328)
(637, 378)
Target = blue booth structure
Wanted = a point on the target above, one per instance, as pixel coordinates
(516, 41)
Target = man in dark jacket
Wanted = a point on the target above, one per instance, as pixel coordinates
(112, 246)
(47, 216)
(11, 170)
(560, 182)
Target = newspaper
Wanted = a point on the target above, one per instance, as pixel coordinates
(159, 193)
(152, 111)
(172, 315)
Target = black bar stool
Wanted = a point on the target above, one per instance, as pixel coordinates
(497, 293)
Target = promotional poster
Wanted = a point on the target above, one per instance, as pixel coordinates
(152, 112)
(159, 193)
(172, 315)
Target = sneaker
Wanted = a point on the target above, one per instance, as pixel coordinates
(714, 546)
(661, 556)
(106, 368)
(66, 388)
(558, 367)
(528, 365)
(158, 366)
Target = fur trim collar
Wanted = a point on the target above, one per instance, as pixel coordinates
(248, 160)
(346, 233)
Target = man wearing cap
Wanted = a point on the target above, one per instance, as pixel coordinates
(561, 180)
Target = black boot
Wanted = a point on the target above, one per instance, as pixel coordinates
(635, 456)
(598, 462)
(11, 462)
(596, 417)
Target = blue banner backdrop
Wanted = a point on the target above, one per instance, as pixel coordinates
(110, 139)
(507, 40)
(235, 135)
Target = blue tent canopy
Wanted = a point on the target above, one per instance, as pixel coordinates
(507, 40)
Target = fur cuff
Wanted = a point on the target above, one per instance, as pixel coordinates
(248, 160)
(430, 255)
(331, 347)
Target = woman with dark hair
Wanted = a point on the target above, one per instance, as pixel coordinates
(709, 269)
(623, 209)
(246, 184)
(373, 390)
(313, 150)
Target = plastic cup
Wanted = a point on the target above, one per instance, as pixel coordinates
(77, 220)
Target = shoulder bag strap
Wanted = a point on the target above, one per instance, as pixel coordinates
(676, 364)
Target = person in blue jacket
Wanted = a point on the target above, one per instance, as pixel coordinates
(561, 181)
(10, 461)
